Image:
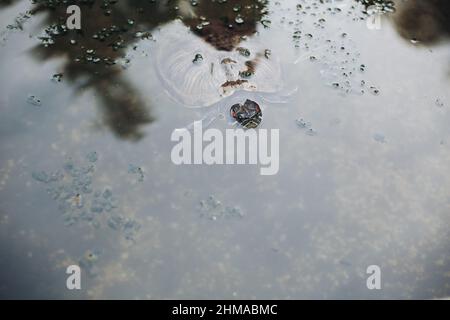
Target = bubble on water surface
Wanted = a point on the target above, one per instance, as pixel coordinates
(239, 20)
(198, 58)
(306, 126)
(439, 103)
(57, 77)
(137, 171)
(315, 38)
(374, 90)
(34, 100)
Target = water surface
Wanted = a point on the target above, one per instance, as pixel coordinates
(86, 176)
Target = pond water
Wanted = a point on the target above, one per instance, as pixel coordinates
(86, 175)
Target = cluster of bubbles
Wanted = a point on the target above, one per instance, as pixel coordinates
(17, 25)
(378, 6)
(115, 36)
(439, 103)
(136, 171)
(57, 77)
(19, 21)
(214, 209)
(72, 188)
(306, 126)
(341, 66)
(34, 100)
(342, 69)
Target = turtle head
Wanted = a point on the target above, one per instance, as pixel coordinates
(248, 114)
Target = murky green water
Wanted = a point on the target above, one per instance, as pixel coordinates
(86, 175)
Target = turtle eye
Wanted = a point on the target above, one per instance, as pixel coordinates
(243, 115)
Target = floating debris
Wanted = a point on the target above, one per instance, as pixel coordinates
(144, 35)
(103, 201)
(345, 263)
(302, 124)
(198, 58)
(340, 64)
(243, 51)
(124, 62)
(72, 189)
(213, 209)
(89, 261)
(378, 6)
(42, 176)
(19, 21)
(35, 101)
(57, 77)
(136, 171)
(239, 19)
(374, 90)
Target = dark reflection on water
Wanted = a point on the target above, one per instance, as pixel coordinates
(426, 21)
(227, 22)
(7, 2)
(108, 28)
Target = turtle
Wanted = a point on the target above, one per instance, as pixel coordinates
(248, 114)
(198, 75)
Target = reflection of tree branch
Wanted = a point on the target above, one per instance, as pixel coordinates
(228, 23)
(91, 52)
(4, 3)
(123, 108)
(107, 32)
(427, 21)
(382, 5)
